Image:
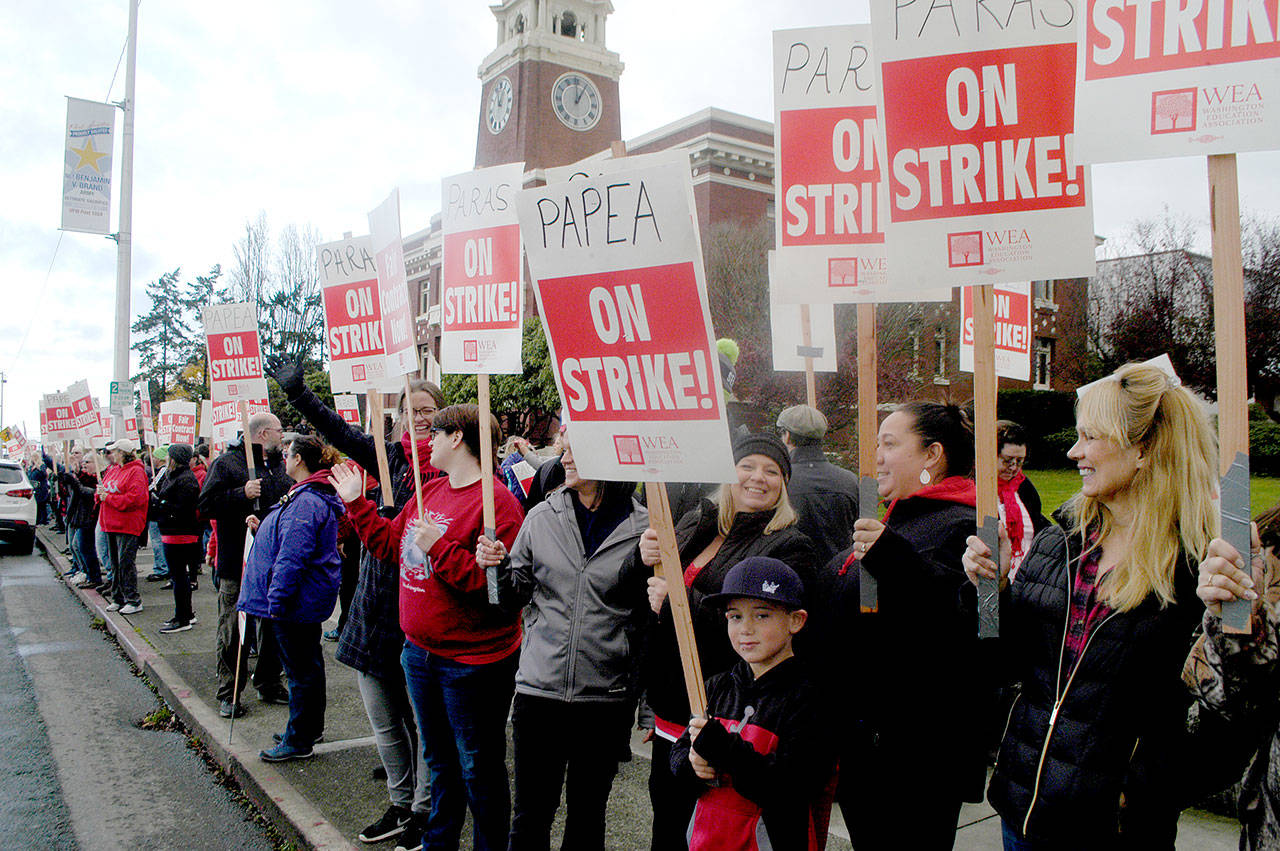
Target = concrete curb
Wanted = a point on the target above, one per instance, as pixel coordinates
(288, 810)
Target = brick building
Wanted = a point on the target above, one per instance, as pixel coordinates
(549, 97)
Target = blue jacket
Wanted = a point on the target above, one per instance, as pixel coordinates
(294, 569)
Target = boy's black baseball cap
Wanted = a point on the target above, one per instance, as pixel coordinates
(761, 578)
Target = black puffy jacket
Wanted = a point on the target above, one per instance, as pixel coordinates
(825, 498)
(1114, 727)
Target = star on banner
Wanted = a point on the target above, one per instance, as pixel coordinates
(89, 156)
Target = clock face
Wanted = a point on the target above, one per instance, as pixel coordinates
(498, 109)
(576, 101)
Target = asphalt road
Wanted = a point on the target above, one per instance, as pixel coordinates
(76, 770)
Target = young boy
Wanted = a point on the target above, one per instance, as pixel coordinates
(759, 762)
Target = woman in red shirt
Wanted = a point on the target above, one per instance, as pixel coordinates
(123, 498)
(461, 652)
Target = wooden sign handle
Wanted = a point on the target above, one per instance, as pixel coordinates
(806, 340)
(868, 428)
(413, 447)
(486, 477)
(376, 426)
(984, 436)
(670, 569)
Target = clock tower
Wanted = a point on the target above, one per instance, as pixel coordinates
(549, 91)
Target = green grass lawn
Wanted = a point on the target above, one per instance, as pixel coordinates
(1057, 486)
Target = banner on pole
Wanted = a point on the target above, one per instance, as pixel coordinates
(1012, 327)
(622, 293)
(177, 423)
(399, 336)
(352, 314)
(983, 184)
(235, 356)
(86, 171)
(348, 409)
(787, 330)
(482, 272)
(1169, 79)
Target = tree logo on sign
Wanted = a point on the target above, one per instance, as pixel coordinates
(964, 249)
(628, 449)
(1173, 111)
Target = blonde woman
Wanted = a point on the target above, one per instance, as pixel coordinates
(1099, 621)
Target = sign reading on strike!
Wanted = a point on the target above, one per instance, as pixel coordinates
(60, 419)
(352, 314)
(235, 358)
(482, 305)
(83, 409)
(226, 420)
(177, 423)
(620, 287)
(398, 333)
(983, 184)
(1172, 79)
(1012, 330)
(348, 409)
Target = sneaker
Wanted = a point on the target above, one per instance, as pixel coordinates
(130, 608)
(195, 586)
(279, 697)
(174, 625)
(114, 607)
(284, 753)
(411, 839)
(167, 586)
(392, 823)
(226, 709)
(279, 737)
(156, 577)
(194, 620)
(85, 583)
(331, 635)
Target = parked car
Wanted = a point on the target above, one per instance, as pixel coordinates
(17, 507)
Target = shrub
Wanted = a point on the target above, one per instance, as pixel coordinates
(1264, 448)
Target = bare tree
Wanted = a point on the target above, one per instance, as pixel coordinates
(251, 272)
(291, 305)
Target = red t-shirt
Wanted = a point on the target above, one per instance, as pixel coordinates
(444, 606)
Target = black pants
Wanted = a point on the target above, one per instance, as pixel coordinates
(183, 560)
(303, 662)
(575, 745)
(266, 674)
(672, 806)
(885, 806)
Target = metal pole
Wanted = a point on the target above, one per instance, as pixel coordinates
(124, 249)
(3, 379)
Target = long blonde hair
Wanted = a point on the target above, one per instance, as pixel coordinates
(1172, 493)
(783, 514)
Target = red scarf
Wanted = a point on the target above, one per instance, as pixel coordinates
(958, 489)
(424, 456)
(1008, 492)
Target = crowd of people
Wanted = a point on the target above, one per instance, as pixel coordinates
(1122, 698)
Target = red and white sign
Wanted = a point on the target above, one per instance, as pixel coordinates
(235, 357)
(60, 417)
(225, 419)
(131, 425)
(787, 330)
(177, 423)
(352, 314)
(348, 408)
(482, 272)
(1172, 79)
(398, 332)
(622, 293)
(1012, 330)
(983, 185)
(148, 423)
(84, 409)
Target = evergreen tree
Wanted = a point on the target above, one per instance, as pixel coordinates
(162, 336)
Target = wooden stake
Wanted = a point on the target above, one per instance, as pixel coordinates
(984, 407)
(413, 446)
(806, 339)
(376, 426)
(868, 428)
(670, 569)
(1233, 397)
(486, 476)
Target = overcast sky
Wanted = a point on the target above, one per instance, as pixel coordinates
(313, 111)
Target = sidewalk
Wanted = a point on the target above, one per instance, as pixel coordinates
(324, 802)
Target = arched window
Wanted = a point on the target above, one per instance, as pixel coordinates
(519, 23)
(569, 24)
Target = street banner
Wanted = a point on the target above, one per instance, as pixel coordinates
(177, 423)
(830, 236)
(206, 418)
(84, 409)
(225, 421)
(235, 356)
(399, 334)
(1171, 79)
(121, 397)
(791, 353)
(352, 315)
(622, 292)
(983, 184)
(482, 280)
(60, 417)
(86, 169)
(1012, 330)
(348, 408)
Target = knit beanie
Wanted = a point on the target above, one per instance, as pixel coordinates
(764, 444)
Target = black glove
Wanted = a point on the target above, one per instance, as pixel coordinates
(287, 373)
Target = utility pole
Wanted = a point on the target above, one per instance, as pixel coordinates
(3, 380)
(124, 248)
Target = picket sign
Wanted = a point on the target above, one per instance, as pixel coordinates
(348, 408)
(248, 455)
(868, 428)
(985, 450)
(375, 425)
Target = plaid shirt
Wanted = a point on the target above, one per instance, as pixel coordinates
(1085, 610)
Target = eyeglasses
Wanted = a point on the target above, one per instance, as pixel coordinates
(424, 412)
(438, 430)
(1012, 462)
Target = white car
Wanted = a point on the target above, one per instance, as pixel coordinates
(17, 507)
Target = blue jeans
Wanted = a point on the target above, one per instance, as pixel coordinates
(303, 662)
(104, 551)
(1014, 841)
(86, 558)
(160, 564)
(461, 712)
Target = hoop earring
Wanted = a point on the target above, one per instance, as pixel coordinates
(925, 478)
